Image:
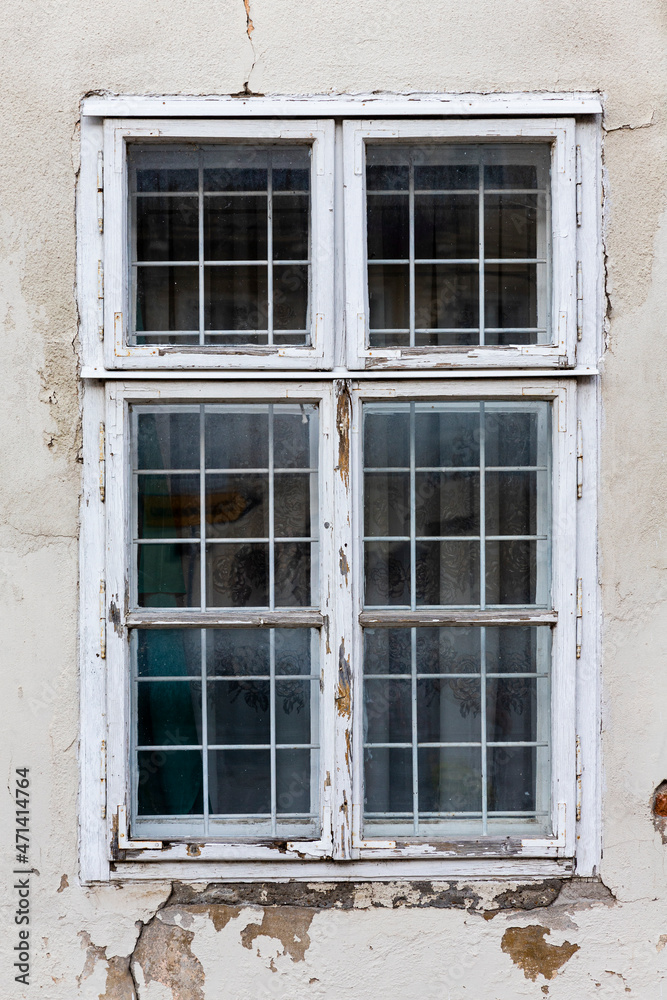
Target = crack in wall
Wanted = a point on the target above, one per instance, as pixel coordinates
(249, 27)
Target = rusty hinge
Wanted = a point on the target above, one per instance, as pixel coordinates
(579, 772)
(124, 842)
(100, 300)
(103, 777)
(103, 475)
(579, 616)
(100, 191)
(578, 184)
(103, 620)
(580, 301)
(580, 460)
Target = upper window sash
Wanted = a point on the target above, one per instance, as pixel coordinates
(556, 238)
(200, 141)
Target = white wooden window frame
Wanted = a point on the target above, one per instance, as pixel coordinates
(118, 353)
(560, 134)
(576, 845)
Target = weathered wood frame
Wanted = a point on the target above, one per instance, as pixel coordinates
(118, 353)
(97, 817)
(560, 134)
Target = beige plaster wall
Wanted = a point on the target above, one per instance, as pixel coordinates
(595, 940)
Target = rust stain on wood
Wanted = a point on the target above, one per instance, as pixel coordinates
(528, 949)
(343, 429)
(344, 691)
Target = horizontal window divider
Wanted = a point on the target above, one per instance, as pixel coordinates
(219, 194)
(404, 193)
(422, 468)
(211, 375)
(414, 619)
(444, 538)
(445, 261)
(188, 618)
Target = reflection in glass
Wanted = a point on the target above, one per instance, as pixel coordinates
(241, 214)
(457, 244)
(232, 489)
(456, 729)
(257, 723)
(430, 468)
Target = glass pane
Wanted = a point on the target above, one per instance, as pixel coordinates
(295, 574)
(432, 203)
(387, 781)
(168, 714)
(235, 228)
(238, 711)
(168, 440)
(387, 503)
(237, 652)
(167, 299)
(388, 227)
(464, 696)
(168, 575)
(290, 296)
(237, 506)
(294, 783)
(293, 703)
(168, 652)
(389, 296)
(240, 782)
(290, 227)
(450, 781)
(292, 499)
(168, 506)
(428, 468)
(387, 651)
(237, 576)
(237, 437)
(387, 573)
(448, 650)
(447, 503)
(167, 228)
(446, 296)
(446, 226)
(447, 573)
(169, 783)
(236, 298)
(233, 210)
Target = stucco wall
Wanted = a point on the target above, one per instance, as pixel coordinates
(597, 939)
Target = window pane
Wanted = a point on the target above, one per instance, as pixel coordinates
(470, 222)
(225, 505)
(230, 210)
(254, 709)
(430, 468)
(457, 730)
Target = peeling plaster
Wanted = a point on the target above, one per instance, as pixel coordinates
(528, 949)
(289, 925)
(163, 954)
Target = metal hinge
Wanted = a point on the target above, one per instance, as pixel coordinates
(103, 464)
(579, 616)
(579, 772)
(580, 301)
(580, 460)
(103, 777)
(100, 300)
(103, 620)
(124, 842)
(578, 184)
(100, 191)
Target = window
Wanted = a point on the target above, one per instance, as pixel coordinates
(338, 610)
